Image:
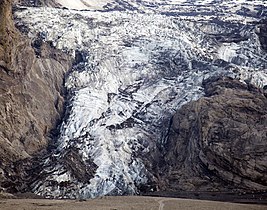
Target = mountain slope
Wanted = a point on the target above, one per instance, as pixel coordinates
(31, 100)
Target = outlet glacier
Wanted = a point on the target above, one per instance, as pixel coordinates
(135, 64)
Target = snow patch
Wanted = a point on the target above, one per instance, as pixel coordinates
(227, 51)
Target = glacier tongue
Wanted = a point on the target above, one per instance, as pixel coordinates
(133, 70)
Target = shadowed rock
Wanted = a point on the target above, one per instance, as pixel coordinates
(262, 33)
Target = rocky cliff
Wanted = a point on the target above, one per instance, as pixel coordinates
(9, 38)
(31, 103)
(219, 142)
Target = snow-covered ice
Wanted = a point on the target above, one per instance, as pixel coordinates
(83, 4)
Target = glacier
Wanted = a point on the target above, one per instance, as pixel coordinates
(136, 63)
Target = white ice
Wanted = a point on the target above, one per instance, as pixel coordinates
(83, 4)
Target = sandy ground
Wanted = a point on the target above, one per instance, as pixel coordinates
(123, 203)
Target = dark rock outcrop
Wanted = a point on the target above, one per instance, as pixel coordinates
(31, 102)
(220, 141)
(262, 33)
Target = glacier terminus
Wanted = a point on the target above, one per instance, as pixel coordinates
(136, 63)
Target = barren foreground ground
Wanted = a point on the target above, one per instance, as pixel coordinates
(123, 203)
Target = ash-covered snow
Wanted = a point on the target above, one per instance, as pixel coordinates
(139, 62)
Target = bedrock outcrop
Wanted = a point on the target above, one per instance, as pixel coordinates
(262, 33)
(219, 141)
(31, 102)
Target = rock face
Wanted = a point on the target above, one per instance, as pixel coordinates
(31, 89)
(220, 141)
(8, 36)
